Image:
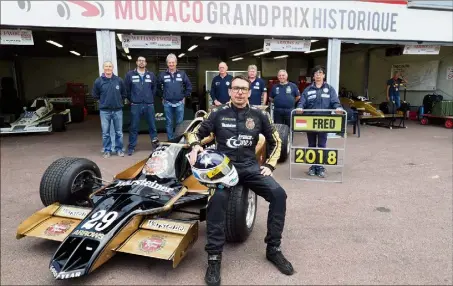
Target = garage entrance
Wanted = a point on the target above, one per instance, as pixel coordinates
(368, 66)
(59, 64)
(199, 56)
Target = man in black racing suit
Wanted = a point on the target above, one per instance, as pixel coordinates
(236, 127)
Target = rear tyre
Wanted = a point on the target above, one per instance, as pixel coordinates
(77, 114)
(240, 214)
(58, 123)
(69, 181)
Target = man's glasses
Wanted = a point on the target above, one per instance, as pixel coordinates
(237, 88)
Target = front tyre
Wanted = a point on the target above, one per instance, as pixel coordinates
(240, 214)
(69, 181)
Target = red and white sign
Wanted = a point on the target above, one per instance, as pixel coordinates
(151, 42)
(325, 19)
(16, 37)
(301, 123)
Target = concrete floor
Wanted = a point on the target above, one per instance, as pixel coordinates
(389, 222)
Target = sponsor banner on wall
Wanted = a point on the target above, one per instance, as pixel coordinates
(421, 50)
(17, 37)
(151, 42)
(276, 45)
(325, 19)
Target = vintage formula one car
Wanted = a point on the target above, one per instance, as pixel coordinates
(40, 116)
(152, 209)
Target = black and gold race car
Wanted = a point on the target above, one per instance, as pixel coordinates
(152, 208)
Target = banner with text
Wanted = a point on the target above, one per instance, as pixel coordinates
(421, 50)
(275, 45)
(16, 37)
(151, 42)
(325, 19)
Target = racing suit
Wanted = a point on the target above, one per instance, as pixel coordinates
(237, 132)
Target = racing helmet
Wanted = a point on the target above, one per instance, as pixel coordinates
(214, 168)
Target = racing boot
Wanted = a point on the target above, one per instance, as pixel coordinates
(212, 277)
(321, 172)
(275, 255)
(312, 171)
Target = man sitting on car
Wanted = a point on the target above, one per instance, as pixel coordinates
(236, 127)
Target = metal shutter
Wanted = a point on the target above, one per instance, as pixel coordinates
(189, 66)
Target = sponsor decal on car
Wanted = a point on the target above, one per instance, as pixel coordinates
(90, 234)
(145, 183)
(65, 275)
(72, 212)
(163, 225)
(152, 244)
(58, 228)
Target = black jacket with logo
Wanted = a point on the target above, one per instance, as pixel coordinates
(237, 133)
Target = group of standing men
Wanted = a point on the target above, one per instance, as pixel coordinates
(285, 97)
(139, 87)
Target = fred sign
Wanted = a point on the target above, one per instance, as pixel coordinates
(318, 123)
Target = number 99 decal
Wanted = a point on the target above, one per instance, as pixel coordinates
(316, 156)
(100, 220)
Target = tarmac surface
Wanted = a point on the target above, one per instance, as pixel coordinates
(389, 222)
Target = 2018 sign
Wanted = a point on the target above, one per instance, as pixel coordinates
(316, 156)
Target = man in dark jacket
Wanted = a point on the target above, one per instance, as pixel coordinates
(141, 88)
(236, 127)
(174, 86)
(220, 86)
(110, 91)
(284, 95)
(318, 95)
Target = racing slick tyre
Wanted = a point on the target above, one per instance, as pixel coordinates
(283, 132)
(58, 123)
(240, 214)
(181, 128)
(77, 114)
(69, 181)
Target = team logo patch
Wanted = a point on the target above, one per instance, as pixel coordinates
(288, 89)
(147, 76)
(227, 83)
(152, 244)
(58, 228)
(250, 124)
(325, 89)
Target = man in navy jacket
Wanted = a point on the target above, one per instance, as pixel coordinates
(110, 91)
(318, 95)
(141, 88)
(174, 86)
(220, 86)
